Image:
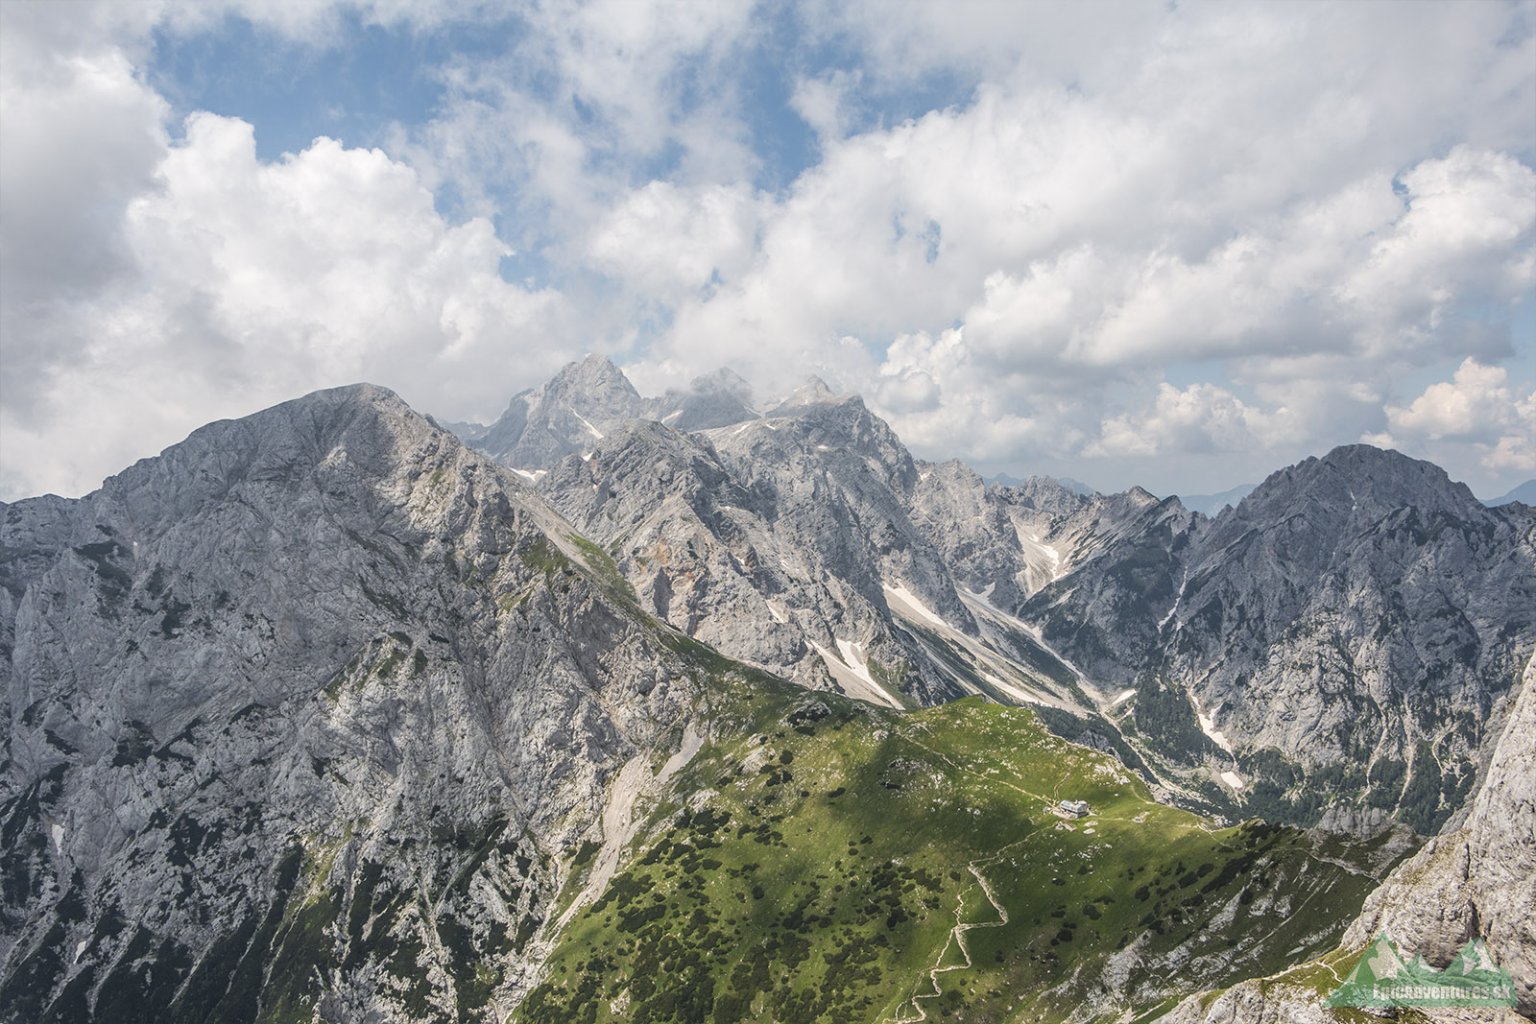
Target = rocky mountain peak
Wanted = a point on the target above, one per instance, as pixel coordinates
(715, 399)
(1365, 480)
(812, 391)
(593, 379)
(360, 430)
(723, 381)
(564, 416)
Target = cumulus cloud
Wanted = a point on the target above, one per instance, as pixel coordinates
(669, 243)
(1198, 418)
(1476, 406)
(82, 137)
(1216, 198)
(266, 280)
(1285, 209)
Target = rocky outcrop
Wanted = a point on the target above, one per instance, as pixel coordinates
(1480, 879)
(1477, 881)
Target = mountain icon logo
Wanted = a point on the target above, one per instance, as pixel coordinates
(1384, 977)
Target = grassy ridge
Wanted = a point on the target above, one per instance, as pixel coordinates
(815, 867)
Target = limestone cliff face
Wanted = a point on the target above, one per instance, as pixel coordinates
(773, 540)
(303, 713)
(1335, 648)
(1345, 637)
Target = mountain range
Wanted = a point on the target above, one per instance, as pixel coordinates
(336, 713)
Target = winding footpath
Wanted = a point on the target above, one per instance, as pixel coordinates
(911, 1009)
(957, 938)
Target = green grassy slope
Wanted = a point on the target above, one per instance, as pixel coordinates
(826, 861)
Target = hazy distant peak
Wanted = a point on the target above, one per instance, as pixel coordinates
(1524, 493)
(812, 391)
(1211, 504)
(723, 381)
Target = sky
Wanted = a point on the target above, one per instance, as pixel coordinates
(1172, 244)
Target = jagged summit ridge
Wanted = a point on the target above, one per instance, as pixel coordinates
(592, 396)
(1369, 480)
(1294, 622)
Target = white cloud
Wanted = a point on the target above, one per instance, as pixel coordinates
(81, 136)
(1216, 197)
(668, 243)
(1298, 204)
(253, 282)
(1195, 419)
(1466, 231)
(1476, 407)
(824, 102)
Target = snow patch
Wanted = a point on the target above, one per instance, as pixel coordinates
(1049, 554)
(57, 832)
(1232, 779)
(777, 611)
(669, 417)
(910, 604)
(1011, 690)
(533, 476)
(693, 742)
(1127, 695)
(1178, 599)
(590, 428)
(1208, 725)
(852, 669)
(80, 949)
